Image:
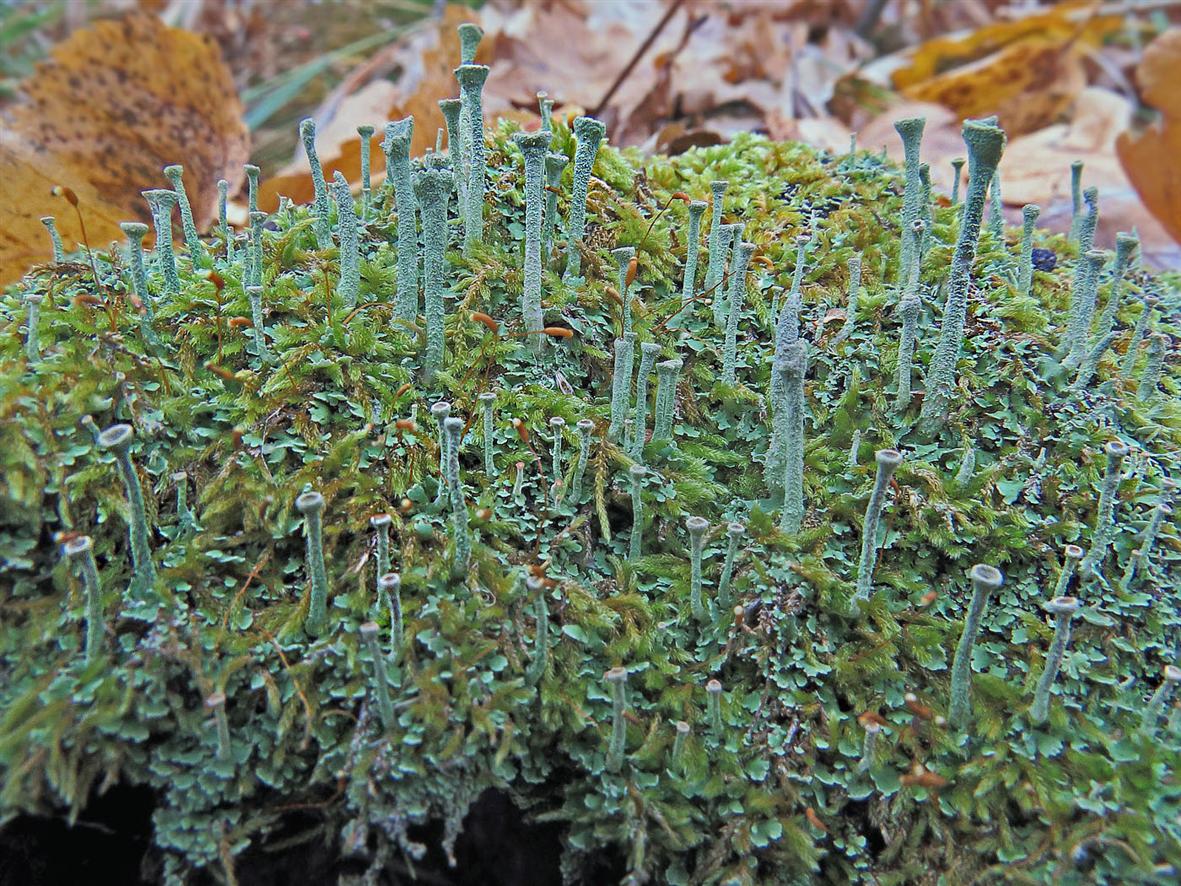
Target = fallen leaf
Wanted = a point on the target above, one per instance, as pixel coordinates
(112, 106)
(1151, 157)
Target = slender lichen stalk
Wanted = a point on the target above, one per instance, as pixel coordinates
(557, 423)
(585, 426)
(985, 580)
(957, 171)
(80, 551)
(683, 730)
(175, 174)
(487, 405)
(649, 351)
(731, 236)
(716, 255)
(985, 143)
(636, 542)
(453, 427)
(185, 518)
(1072, 554)
(1083, 293)
(518, 494)
(692, 253)
(252, 173)
(1143, 323)
(1160, 513)
(1076, 198)
(698, 527)
(350, 246)
(1153, 367)
(869, 746)
(55, 240)
(381, 526)
(588, 135)
(389, 591)
(850, 323)
(432, 188)
(311, 505)
(32, 326)
(161, 202)
(888, 461)
(475, 153)
(254, 293)
(1125, 252)
(135, 232)
(381, 685)
(735, 532)
(996, 212)
(396, 146)
(911, 132)
(1063, 610)
(791, 518)
(713, 692)
(621, 383)
(117, 439)
(909, 308)
(617, 680)
(554, 164)
(321, 208)
(623, 262)
(1160, 698)
(257, 220)
(1116, 451)
(365, 134)
(667, 374)
(852, 460)
(737, 300)
(216, 704)
(536, 587)
(533, 146)
(1029, 214)
(223, 222)
(1090, 364)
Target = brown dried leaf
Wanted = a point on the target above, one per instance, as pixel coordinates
(1150, 158)
(112, 106)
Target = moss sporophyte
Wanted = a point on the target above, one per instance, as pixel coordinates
(355, 542)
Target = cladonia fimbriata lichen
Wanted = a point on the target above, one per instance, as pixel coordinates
(1115, 451)
(957, 171)
(80, 550)
(556, 424)
(350, 256)
(1072, 555)
(716, 254)
(1143, 323)
(487, 405)
(649, 351)
(888, 461)
(365, 134)
(117, 440)
(588, 135)
(985, 143)
(453, 428)
(554, 164)
(55, 240)
(1082, 306)
(432, 188)
(910, 130)
(161, 202)
(396, 146)
(985, 580)
(1076, 198)
(996, 211)
(854, 266)
(737, 300)
(667, 374)
(689, 275)
(621, 383)
(698, 527)
(793, 369)
(175, 175)
(735, 532)
(1164, 693)
(623, 256)
(1154, 364)
(536, 588)
(381, 685)
(32, 327)
(1063, 610)
(534, 146)
(713, 692)
(1125, 252)
(311, 505)
(908, 309)
(617, 680)
(322, 208)
(636, 542)
(585, 426)
(1029, 215)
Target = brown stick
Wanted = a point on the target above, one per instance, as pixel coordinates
(673, 8)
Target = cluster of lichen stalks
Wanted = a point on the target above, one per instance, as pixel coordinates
(423, 190)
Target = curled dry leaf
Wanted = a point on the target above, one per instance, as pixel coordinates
(111, 107)
(1152, 158)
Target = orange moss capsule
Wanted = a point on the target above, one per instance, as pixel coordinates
(633, 268)
(558, 332)
(682, 196)
(406, 424)
(240, 322)
(484, 514)
(68, 193)
(405, 506)
(929, 598)
(613, 294)
(87, 299)
(872, 717)
(221, 372)
(217, 280)
(917, 708)
(814, 819)
(480, 317)
(764, 261)
(402, 390)
(522, 431)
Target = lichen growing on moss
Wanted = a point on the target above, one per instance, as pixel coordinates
(498, 681)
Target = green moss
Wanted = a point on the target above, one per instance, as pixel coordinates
(498, 682)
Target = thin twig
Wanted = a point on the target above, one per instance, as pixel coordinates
(673, 8)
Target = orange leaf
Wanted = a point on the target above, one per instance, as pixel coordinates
(111, 107)
(1151, 158)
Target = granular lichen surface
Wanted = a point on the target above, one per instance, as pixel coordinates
(543, 635)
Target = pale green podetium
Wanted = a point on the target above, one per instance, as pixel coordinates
(1063, 610)
(692, 253)
(636, 543)
(117, 440)
(698, 527)
(1116, 451)
(487, 404)
(1143, 324)
(888, 461)
(254, 294)
(588, 136)
(1083, 293)
(135, 232)
(985, 143)
(55, 240)
(1076, 198)
(735, 532)
(257, 220)
(667, 374)
(623, 256)
(252, 173)
(985, 580)
(996, 211)
(1160, 698)
(453, 427)
(32, 326)
(621, 383)
(649, 351)
(713, 692)
(389, 591)
(1153, 367)
(1125, 252)
(311, 505)
(536, 587)
(731, 236)
(584, 427)
(432, 188)
(223, 222)
(716, 254)
(322, 210)
(556, 424)
(216, 705)
(175, 175)
(350, 248)
(1072, 555)
(475, 153)
(1029, 214)
(365, 133)
(617, 679)
(80, 551)
(908, 308)
(161, 201)
(381, 687)
(554, 164)
(737, 301)
(793, 368)
(533, 146)
(396, 146)
(957, 171)
(910, 130)
(1160, 513)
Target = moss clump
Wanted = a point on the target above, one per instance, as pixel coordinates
(499, 679)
